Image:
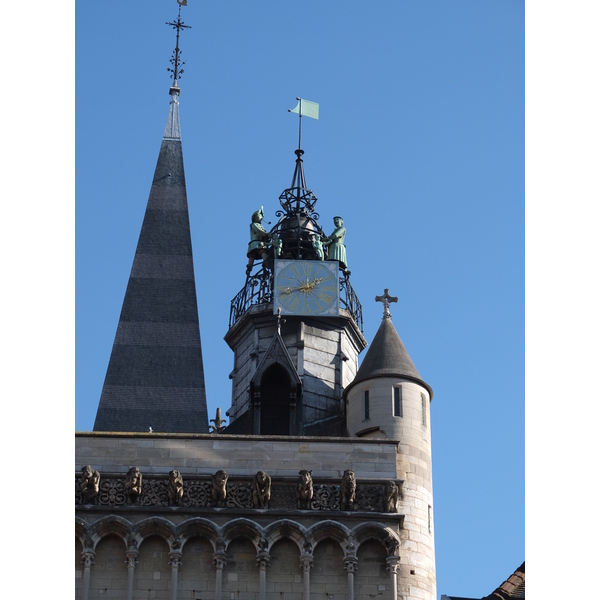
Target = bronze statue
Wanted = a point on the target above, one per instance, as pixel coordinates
(175, 487)
(133, 484)
(259, 239)
(276, 244)
(335, 241)
(219, 488)
(304, 491)
(348, 490)
(90, 483)
(261, 490)
(317, 244)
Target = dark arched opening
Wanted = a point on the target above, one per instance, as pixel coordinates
(275, 401)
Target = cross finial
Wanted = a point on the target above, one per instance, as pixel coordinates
(176, 70)
(386, 299)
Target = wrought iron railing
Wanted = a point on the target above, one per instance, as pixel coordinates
(258, 289)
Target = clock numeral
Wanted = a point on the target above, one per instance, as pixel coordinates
(325, 297)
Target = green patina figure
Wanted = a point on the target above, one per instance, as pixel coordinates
(259, 239)
(335, 241)
(317, 244)
(277, 244)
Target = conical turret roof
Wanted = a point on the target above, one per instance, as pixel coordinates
(155, 376)
(387, 357)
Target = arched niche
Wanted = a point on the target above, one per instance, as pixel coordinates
(372, 577)
(196, 573)
(240, 575)
(78, 569)
(328, 571)
(108, 575)
(152, 572)
(284, 574)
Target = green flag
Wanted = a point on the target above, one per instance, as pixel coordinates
(306, 108)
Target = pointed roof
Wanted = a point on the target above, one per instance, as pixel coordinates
(155, 376)
(387, 357)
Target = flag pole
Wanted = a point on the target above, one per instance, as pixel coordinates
(300, 125)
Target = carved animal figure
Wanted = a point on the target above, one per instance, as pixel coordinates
(133, 483)
(391, 544)
(175, 487)
(348, 489)
(304, 491)
(391, 497)
(261, 490)
(219, 488)
(90, 483)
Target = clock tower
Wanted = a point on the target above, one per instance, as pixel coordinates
(296, 326)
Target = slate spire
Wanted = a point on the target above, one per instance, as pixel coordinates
(155, 377)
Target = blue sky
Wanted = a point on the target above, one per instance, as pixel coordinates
(420, 146)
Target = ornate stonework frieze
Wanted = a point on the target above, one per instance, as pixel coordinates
(260, 492)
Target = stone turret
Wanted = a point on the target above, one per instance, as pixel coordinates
(389, 399)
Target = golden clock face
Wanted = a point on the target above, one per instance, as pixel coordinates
(307, 287)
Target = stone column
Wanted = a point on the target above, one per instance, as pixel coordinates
(219, 561)
(132, 556)
(262, 560)
(392, 567)
(175, 562)
(350, 564)
(87, 558)
(306, 561)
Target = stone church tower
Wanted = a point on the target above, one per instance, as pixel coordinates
(319, 486)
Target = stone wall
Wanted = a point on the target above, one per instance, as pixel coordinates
(132, 549)
(324, 353)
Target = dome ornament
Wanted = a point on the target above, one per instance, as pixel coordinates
(386, 299)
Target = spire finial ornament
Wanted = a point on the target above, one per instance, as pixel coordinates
(176, 70)
(386, 299)
(279, 321)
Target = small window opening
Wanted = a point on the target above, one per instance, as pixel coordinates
(397, 402)
(367, 407)
(423, 410)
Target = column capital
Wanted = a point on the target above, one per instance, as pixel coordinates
(262, 560)
(132, 554)
(219, 560)
(392, 563)
(351, 564)
(87, 557)
(175, 559)
(306, 562)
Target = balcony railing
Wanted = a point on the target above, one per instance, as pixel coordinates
(258, 290)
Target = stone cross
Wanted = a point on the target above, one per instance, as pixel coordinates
(386, 299)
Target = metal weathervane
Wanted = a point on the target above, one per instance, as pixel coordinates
(175, 59)
(305, 108)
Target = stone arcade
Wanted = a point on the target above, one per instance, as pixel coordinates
(321, 483)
